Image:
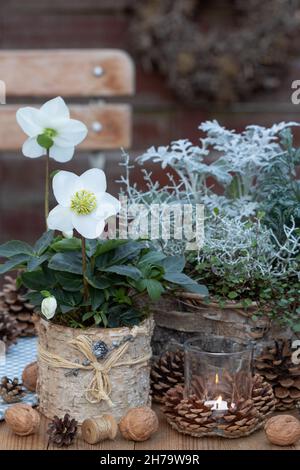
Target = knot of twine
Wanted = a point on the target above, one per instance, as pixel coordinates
(100, 386)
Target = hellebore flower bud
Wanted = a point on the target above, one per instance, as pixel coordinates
(48, 307)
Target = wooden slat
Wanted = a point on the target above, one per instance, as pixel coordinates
(114, 118)
(66, 72)
(78, 6)
(165, 439)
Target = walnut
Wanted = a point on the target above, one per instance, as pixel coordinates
(29, 376)
(22, 419)
(139, 424)
(283, 430)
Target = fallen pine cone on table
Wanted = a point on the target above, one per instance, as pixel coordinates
(14, 303)
(276, 366)
(8, 329)
(62, 431)
(11, 390)
(166, 372)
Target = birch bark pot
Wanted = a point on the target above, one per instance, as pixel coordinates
(62, 392)
(185, 315)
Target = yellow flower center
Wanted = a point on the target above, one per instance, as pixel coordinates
(50, 132)
(83, 202)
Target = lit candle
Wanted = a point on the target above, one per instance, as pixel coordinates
(218, 405)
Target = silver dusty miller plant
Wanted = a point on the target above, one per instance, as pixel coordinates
(236, 161)
(249, 249)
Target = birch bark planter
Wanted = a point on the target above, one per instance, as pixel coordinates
(64, 390)
(185, 315)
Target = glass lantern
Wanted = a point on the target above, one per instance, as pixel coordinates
(218, 371)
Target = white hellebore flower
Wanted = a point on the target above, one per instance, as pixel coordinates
(83, 203)
(50, 127)
(48, 307)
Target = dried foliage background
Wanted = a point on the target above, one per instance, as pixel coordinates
(224, 58)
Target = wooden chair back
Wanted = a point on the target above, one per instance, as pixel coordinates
(86, 78)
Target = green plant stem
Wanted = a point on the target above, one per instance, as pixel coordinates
(85, 283)
(47, 188)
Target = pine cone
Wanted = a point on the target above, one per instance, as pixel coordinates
(12, 301)
(275, 365)
(192, 416)
(8, 328)
(240, 420)
(62, 431)
(11, 390)
(189, 416)
(166, 372)
(263, 396)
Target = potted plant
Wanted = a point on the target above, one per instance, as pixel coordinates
(250, 251)
(94, 335)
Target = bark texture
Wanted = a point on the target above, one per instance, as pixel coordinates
(184, 316)
(60, 394)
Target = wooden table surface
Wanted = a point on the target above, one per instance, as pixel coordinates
(165, 439)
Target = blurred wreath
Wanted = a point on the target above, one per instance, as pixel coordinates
(216, 50)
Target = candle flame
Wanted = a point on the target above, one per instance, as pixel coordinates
(218, 402)
(217, 379)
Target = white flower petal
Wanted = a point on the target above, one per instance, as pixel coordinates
(32, 149)
(68, 234)
(61, 154)
(65, 184)
(107, 205)
(93, 180)
(29, 120)
(72, 132)
(88, 226)
(55, 108)
(60, 218)
(48, 307)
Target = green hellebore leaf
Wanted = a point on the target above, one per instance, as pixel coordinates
(35, 280)
(186, 283)
(70, 282)
(153, 287)
(152, 257)
(45, 141)
(173, 264)
(36, 261)
(67, 244)
(97, 281)
(43, 243)
(70, 262)
(96, 298)
(35, 298)
(15, 247)
(128, 271)
(104, 246)
(13, 262)
(126, 251)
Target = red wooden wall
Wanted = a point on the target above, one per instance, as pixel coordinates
(158, 116)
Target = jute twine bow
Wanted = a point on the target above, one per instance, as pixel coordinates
(100, 385)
